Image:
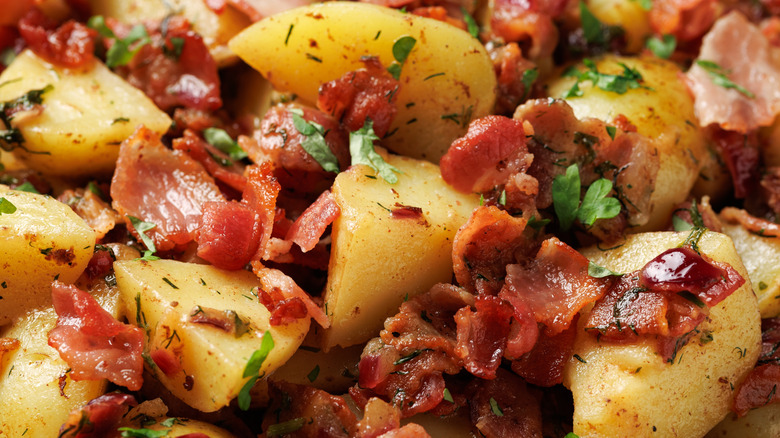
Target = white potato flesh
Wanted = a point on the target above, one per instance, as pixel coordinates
(161, 295)
(86, 115)
(761, 256)
(377, 260)
(446, 81)
(42, 240)
(628, 390)
(35, 388)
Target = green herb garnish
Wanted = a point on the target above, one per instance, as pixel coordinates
(314, 144)
(361, 148)
(718, 77)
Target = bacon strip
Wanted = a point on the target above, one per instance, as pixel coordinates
(71, 45)
(93, 343)
(99, 418)
(228, 237)
(272, 279)
(312, 223)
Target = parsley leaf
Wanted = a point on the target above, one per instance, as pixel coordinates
(27, 187)
(252, 370)
(222, 141)
(595, 204)
(597, 271)
(142, 227)
(591, 26)
(314, 144)
(471, 23)
(6, 207)
(662, 47)
(313, 374)
(120, 53)
(361, 148)
(401, 49)
(718, 77)
(142, 433)
(497, 411)
(528, 79)
(448, 396)
(285, 428)
(611, 131)
(629, 79)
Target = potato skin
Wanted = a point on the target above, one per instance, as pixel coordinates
(86, 115)
(663, 113)
(446, 81)
(627, 390)
(42, 240)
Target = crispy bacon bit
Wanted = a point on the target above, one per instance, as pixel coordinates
(740, 49)
(685, 19)
(189, 79)
(484, 246)
(492, 149)
(272, 279)
(755, 225)
(307, 230)
(742, 154)
(166, 361)
(439, 13)
(369, 92)
(283, 310)
(708, 215)
(99, 418)
(482, 335)
(101, 263)
(95, 211)
(758, 389)
(530, 23)
(507, 395)
(510, 66)
(224, 320)
(325, 415)
(543, 365)
(92, 342)
(260, 195)
(379, 417)
(555, 285)
(228, 236)
(160, 186)
(770, 185)
(70, 45)
(225, 170)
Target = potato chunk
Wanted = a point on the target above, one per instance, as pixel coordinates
(628, 390)
(36, 390)
(42, 240)
(446, 81)
(85, 116)
(761, 256)
(663, 113)
(377, 260)
(165, 297)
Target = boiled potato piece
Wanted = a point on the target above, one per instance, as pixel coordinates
(761, 257)
(216, 29)
(36, 390)
(620, 13)
(85, 117)
(162, 296)
(333, 371)
(446, 81)
(664, 114)
(378, 260)
(760, 422)
(628, 390)
(42, 240)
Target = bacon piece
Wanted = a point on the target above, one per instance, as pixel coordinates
(543, 365)
(95, 211)
(166, 361)
(101, 263)
(307, 230)
(71, 45)
(510, 67)
(217, 6)
(228, 237)
(369, 92)
(279, 141)
(379, 417)
(492, 149)
(528, 22)
(685, 19)
(410, 430)
(439, 13)
(523, 329)
(283, 310)
(99, 418)
(189, 79)
(14, 10)
(482, 335)
(484, 246)
(555, 285)
(758, 389)
(272, 279)
(164, 187)
(740, 48)
(225, 170)
(256, 10)
(326, 415)
(708, 216)
(260, 196)
(742, 155)
(92, 342)
(753, 224)
(504, 407)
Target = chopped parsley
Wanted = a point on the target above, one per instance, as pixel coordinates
(595, 204)
(448, 396)
(401, 49)
(314, 144)
(718, 75)
(142, 227)
(597, 271)
(471, 23)
(361, 148)
(252, 370)
(173, 47)
(528, 79)
(497, 411)
(611, 131)
(596, 33)
(285, 428)
(313, 374)
(662, 47)
(142, 433)
(222, 141)
(123, 50)
(11, 138)
(629, 79)
(6, 206)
